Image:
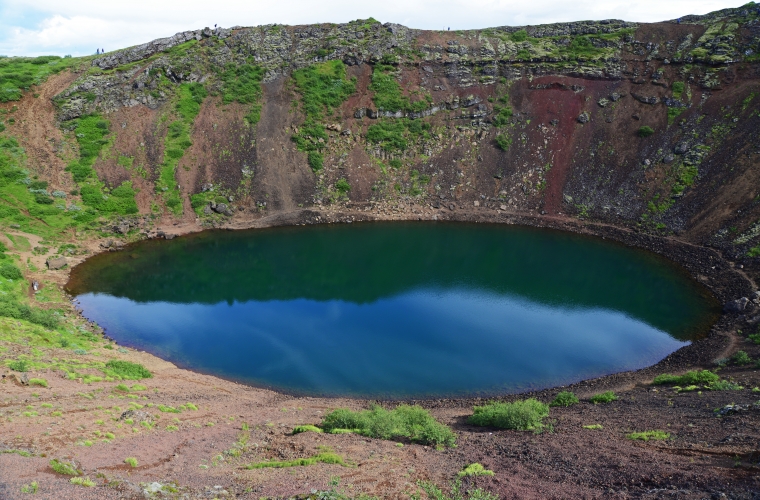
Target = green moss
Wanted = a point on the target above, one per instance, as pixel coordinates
(242, 84)
(387, 94)
(678, 88)
(190, 96)
(475, 470)
(91, 132)
(323, 88)
(647, 435)
(524, 415)
(324, 458)
(19, 74)
(306, 428)
(397, 135)
(411, 422)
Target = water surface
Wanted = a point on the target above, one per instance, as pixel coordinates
(395, 309)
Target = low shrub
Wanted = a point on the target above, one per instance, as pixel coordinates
(647, 435)
(646, 131)
(306, 428)
(564, 398)
(38, 381)
(741, 358)
(755, 337)
(724, 385)
(128, 370)
(19, 365)
(689, 378)
(605, 397)
(475, 470)
(83, 481)
(412, 422)
(131, 461)
(10, 271)
(63, 467)
(524, 415)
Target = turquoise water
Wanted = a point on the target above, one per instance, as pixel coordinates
(395, 310)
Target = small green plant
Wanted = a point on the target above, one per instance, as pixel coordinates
(724, 385)
(741, 358)
(645, 131)
(504, 142)
(19, 365)
(30, 488)
(593, 427)
(433, 492)
(605, 397)
(306, 428)
(38, 381)
(131, 461)
(524, 415)
(127, 370)
(647, 435)
(342, 186)
(83, 481)
(564, 398)
(121, 388)
(703, 377)
(475, 470)
(64, 468)
(755, 337)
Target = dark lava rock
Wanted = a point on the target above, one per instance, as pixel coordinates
(584, 117)
(735, 306)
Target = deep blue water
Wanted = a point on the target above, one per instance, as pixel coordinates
(395, 310)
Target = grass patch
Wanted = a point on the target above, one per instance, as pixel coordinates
(306, 428)
(396, 135)
(678, 89)
(405, 421)
(527, 415)
(30, 488)
(242, 84)
(724, 385)
(593, 427)
(565, 398)
(647, 435)
(127, 370)
(64, 468)
(703, 377)
(91, 132)
(190, 96)
(475, 470)
(38, 381)
(326, 457)
(387, 93)
(19, 74)
(605, 397)
(131, 461)
(323, 88)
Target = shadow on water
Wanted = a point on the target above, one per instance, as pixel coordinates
(396, 309)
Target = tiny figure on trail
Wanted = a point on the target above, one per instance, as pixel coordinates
(97, 51)
(679, 20)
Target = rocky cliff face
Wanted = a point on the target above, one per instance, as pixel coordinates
(652, 126)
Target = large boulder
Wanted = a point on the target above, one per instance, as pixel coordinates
(735, 306)
(54, 263)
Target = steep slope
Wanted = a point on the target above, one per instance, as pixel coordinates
(649, 125)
